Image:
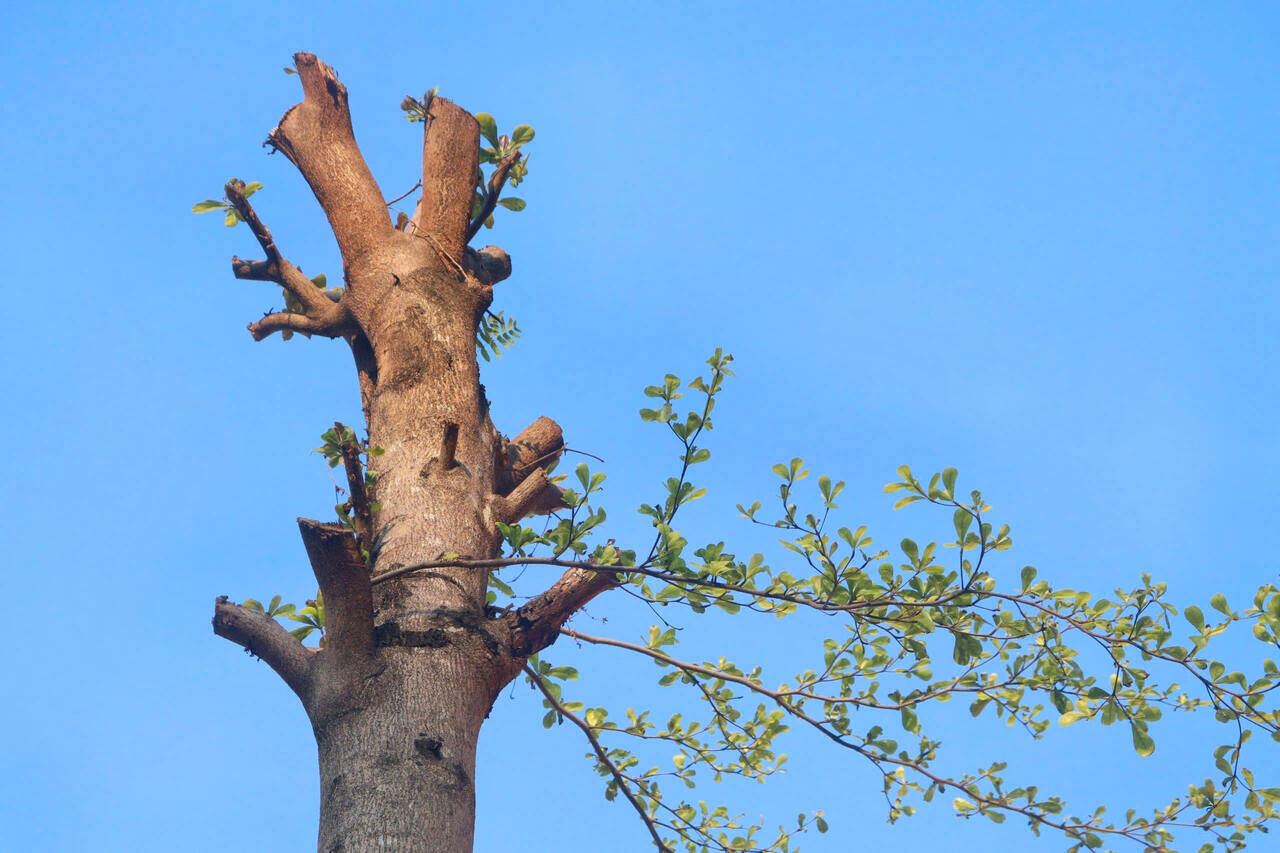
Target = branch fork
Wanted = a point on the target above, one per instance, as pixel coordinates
(320, 315)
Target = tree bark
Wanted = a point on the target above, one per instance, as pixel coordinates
(409, 668)
(397, 753)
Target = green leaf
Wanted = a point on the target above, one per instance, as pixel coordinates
(488, 128)
(1195, 617)
(909, 721)
(1219, 603)
(232, 218)
(1028, 575)
(962, 805)
(1072, 717)
(512, 203)
(208, 205)
(1142, 742)
(522, 134)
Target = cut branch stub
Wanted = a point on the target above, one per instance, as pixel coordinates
(316, 136)
(535, 495)
(537, 624)
(448, 447)
(301, 323)
(263, 636)
(538, 445)
(450, 158)
(489, 265)
(344, 582)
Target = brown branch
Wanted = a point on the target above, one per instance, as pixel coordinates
(623, 783)
(302, 323)
(536, 624)
(1133, 831)
(264, 637)
(450, 157)
(254, 270)
(360, 512)
(535, 495)
(537, 445)
(316, 136)
(276, 267)
(404, 195)
(344, 583)
(496, 181)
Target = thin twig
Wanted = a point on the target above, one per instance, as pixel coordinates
(601, 755)
(406, 195)
(496, 181)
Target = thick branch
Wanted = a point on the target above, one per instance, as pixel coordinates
(264, 637)
(496, 181)
(316, 136)
(536, 625)
(535, 495)
(287, 320)
(450, 158)
(537, 445)
(344, 583)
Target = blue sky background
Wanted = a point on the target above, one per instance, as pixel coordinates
(1037, 242)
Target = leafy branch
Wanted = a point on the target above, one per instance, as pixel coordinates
(311, 615)
(232, 216)
(913, 631)
(342, 447)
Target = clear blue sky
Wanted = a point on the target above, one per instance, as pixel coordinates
(1037, 242)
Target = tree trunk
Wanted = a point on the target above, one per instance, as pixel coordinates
(397, 760)
(411, 663)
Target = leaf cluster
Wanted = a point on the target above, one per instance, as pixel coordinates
(500, 147)
(311, 615)
(495, 333)
(231, 216)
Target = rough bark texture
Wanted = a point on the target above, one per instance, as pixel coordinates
(410, 667)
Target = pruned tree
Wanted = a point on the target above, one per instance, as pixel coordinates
(419, 632)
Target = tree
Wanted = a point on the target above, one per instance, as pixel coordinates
(419, 631)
